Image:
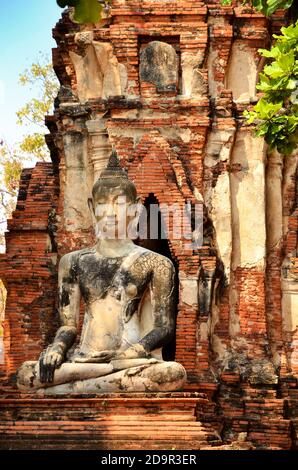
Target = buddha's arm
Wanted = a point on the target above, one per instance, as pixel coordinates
(162, 288)
(69, 308)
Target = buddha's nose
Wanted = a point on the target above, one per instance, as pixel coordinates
(110, 210)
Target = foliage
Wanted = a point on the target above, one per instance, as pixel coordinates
(12, 166)
(267, 7)
(276, 113)
(10, 170)
(85, 11)
(41, 76)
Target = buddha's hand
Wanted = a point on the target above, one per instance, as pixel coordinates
(133, 352)
(49, 360)
(98, 357)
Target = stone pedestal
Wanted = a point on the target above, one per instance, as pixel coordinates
(163, 421)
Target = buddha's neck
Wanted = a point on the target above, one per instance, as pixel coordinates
(114, 248)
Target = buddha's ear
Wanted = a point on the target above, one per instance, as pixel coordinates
(138, 205)
(91, 207)
(134, 212)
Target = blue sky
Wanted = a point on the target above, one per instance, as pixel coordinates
(25, 29)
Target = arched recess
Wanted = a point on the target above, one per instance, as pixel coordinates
(155, 169)
(160, 245)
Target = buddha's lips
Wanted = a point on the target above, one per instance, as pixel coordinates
(110, 223)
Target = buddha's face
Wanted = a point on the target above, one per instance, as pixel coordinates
(113, 211)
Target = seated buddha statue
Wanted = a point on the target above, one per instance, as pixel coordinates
(128, 292)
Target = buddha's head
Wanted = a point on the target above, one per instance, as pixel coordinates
(114, 203)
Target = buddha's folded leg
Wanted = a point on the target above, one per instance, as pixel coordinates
(158, 377)
(28, 374)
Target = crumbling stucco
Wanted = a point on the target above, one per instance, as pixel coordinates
(248, 201)
(242, 72)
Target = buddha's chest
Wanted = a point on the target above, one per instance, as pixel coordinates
(99, 277)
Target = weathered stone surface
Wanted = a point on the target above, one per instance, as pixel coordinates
(159, 65)
(242, 72)
(247, 199)
(98, 72)
(218, 196)
(189, 290)
(76, 190)
(193, 81)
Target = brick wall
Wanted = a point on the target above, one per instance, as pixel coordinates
(28, 269)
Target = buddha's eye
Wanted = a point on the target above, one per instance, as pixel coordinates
(100, 209)
(120, 200)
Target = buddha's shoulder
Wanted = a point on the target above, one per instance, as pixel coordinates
(154, 261)
(75, 256)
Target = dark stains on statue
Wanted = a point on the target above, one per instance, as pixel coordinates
(64, 295)
(92, 285)
(157, 338)
(131, 307)
(84, 270)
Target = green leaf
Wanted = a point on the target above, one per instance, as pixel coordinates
(275, 128)
(281, 67)
(265, 83)
(266, 109)
(279, 85)
(34, 145)
(251, 116)
(12, 173)
(259, 5)
(62, 3)
(274, 53)
(287, 61)
(289, 32)
(65, 3)
(272, 5)
(226, 2)
(292, 84)
(262, 130)
(267, 7)
(88, 11)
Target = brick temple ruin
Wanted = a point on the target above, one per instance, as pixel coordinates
(178, 128)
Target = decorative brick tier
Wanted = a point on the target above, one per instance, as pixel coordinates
(235, 417)
(140, 421)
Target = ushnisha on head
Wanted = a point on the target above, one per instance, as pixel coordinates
(114, 203)
(114, 176)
